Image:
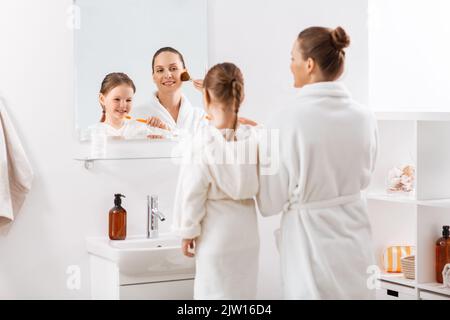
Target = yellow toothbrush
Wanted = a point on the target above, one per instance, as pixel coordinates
(138, 119)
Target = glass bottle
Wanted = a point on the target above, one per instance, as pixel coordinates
(117, 220)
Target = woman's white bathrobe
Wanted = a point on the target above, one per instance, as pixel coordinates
(328, 147)
(190, 118)
(215, 204)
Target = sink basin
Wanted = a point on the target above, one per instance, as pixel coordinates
(144, 243)
(139, 256)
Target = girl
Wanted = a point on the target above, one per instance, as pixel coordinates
(214, 206)
(328, 147)
(116, 99)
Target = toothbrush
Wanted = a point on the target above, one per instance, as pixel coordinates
(138, 119)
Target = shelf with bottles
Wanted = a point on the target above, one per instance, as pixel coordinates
(414, 225)
(431, 221)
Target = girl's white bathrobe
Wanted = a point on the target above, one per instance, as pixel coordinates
(327, 152)
(215, 204)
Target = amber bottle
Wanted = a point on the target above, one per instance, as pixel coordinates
(117, 220)
(442, 253)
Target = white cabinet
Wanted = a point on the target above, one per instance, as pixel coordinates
(421, 139)
(171, 290)
(392, 291)
(108, 283)
(140, 268)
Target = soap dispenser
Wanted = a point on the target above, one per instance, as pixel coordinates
(442, 253)
(117, 219)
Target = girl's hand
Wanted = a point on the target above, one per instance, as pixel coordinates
(187, 244)
(158, 123)
(247, 121)
(198, 84)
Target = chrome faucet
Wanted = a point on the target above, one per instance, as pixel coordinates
(153, 214)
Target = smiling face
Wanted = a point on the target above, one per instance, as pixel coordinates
(167, 72)
(117, 102)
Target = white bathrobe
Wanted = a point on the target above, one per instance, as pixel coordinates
(189, 120)
(215, 204)
(328, 147)
(16, 175)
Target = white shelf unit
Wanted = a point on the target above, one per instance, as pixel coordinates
(421, 138)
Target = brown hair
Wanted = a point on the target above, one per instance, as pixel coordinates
(166, 49)
(111, 81)
(326, 46)
(225, 82)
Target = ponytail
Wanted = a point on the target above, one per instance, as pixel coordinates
(225, 83)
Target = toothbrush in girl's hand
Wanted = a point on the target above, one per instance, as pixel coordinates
(157, 132)
(138, 119)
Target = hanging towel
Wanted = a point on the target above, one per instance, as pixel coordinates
(16, 174)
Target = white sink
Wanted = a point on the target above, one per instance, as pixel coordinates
(139, 256)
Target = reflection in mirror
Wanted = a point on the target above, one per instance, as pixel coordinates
(136, 62)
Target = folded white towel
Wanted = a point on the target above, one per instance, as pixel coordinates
(16, 175)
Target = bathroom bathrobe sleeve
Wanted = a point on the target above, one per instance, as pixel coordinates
(327, 153)
(16, 174)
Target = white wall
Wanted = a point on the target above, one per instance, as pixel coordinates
(409, 64)
(68, 203)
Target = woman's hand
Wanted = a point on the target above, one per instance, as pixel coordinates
(187, 244)
(247, 121)
(198, 84)
(157, 122)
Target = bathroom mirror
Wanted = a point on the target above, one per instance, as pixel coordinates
(122, 36)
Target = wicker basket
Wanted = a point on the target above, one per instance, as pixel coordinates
(409, 267)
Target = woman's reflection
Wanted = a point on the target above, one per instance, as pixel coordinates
(170, 108)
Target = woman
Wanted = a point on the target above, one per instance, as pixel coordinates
(328, 146)
(169, 108)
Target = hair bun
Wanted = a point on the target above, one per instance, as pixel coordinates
(340, 38)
